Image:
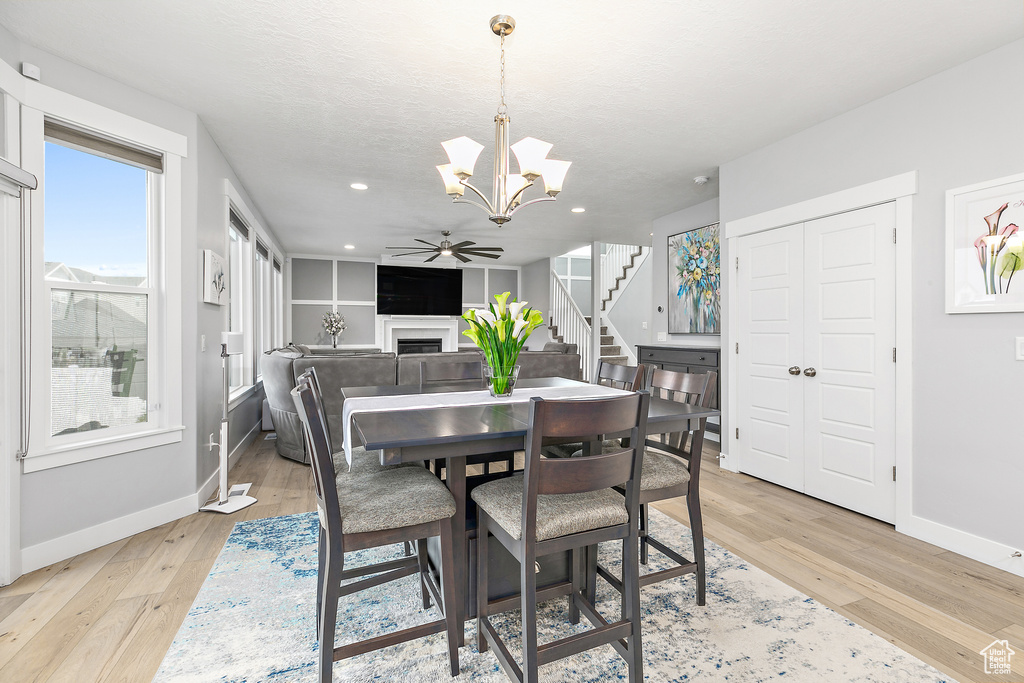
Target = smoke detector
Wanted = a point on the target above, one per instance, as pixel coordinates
(701, 180)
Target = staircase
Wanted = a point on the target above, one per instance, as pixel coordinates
(610, 351)
(615, 266)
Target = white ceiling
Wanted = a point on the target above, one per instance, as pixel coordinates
(306, 98)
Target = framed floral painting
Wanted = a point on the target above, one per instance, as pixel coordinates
(984, 247)
(694, 282)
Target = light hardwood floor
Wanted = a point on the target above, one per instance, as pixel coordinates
(110, 614)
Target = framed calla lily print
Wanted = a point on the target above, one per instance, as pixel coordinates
(985, 247)
(694, 282)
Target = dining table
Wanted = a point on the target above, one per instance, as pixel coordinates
(413, 423)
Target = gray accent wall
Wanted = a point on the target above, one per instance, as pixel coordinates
(536, 278)
(957, 128)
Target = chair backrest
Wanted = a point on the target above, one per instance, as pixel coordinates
(468, 373)
(628, 377)
(318, 444)
(686, 387)
(568, 419)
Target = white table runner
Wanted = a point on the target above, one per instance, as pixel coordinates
(373, 404)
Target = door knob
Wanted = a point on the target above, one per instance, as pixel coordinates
(810, 372)
(795, 370)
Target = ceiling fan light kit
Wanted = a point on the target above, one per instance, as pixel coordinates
(462, 251)
(531, 154)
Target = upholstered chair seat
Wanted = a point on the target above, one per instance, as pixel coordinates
(661, 471)
(393, 498)
(557, 515)
(363, 462)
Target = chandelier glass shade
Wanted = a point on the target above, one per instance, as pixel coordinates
(531, 155)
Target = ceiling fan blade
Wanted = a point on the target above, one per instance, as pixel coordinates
(461, 257)
(478, 253)
(419, 252)
(413, 247)
(460, 245)
(426, 242)
(483, 249)
(432, 257)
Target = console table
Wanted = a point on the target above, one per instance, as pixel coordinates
(685, 359)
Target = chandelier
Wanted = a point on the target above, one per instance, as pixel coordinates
(530, 153)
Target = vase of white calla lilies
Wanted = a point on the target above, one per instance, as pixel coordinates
(500, 331)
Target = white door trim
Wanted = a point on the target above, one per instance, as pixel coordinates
(900, 189)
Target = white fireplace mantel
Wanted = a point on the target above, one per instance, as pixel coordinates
(410, 327)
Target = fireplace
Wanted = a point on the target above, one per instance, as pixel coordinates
(408, 345)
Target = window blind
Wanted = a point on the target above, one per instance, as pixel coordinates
(262, 250)
(238, 224)
(104, 147)
(277, 265)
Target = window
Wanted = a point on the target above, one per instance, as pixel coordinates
(278, 305)
(98, 308)
(240, 298)
(264, 312)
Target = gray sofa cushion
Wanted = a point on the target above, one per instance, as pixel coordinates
(334, 372)
(549, 364)
(560, 347)
(409, 363)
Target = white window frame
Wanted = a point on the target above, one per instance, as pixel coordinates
(263, 306)
(241, 291)
(277, 289)
(164, 365)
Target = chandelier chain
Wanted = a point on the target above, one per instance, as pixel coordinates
(502, 109)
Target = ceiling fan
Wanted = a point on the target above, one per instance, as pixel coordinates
(446, 248)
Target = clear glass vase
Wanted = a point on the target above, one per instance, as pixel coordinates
(501, 381)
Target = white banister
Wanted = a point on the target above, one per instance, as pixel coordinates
(614, 263)
(572, 325)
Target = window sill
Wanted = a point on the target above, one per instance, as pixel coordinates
(240, 394)
(94, 449)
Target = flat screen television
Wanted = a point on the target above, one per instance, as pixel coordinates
(408, 290)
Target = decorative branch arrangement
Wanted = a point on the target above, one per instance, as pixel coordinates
(334, 325)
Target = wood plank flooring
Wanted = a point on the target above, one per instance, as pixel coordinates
(110, 614)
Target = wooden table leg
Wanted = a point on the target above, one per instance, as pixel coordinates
(455, 478)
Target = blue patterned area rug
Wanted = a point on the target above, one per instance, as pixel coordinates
(253, 620)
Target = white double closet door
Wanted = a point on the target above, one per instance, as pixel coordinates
(816, 378)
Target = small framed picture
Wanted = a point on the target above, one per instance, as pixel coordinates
(694, 282)
(215, 278)
(984, 247)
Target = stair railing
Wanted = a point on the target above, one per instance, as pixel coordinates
(614, 262)
(572, 325)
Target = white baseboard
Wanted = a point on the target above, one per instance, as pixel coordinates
(205, 492)
(983, 550)
(57, 549)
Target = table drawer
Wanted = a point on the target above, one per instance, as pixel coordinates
(699, 357)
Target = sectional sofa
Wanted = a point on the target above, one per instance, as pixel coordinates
(281, 367)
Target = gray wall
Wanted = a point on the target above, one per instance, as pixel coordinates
(960, 127)
(696, 216)
(632, 308)
(537, 291)
(98, 491)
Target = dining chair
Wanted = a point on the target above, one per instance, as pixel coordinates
(625, 377)
(559, 505)
(671, 468)
(462, 375)
(363, 461)
(369, 510)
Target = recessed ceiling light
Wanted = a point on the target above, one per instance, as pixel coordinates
(578, 209)
(652, 234)
(350, 246)
(358, 186)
